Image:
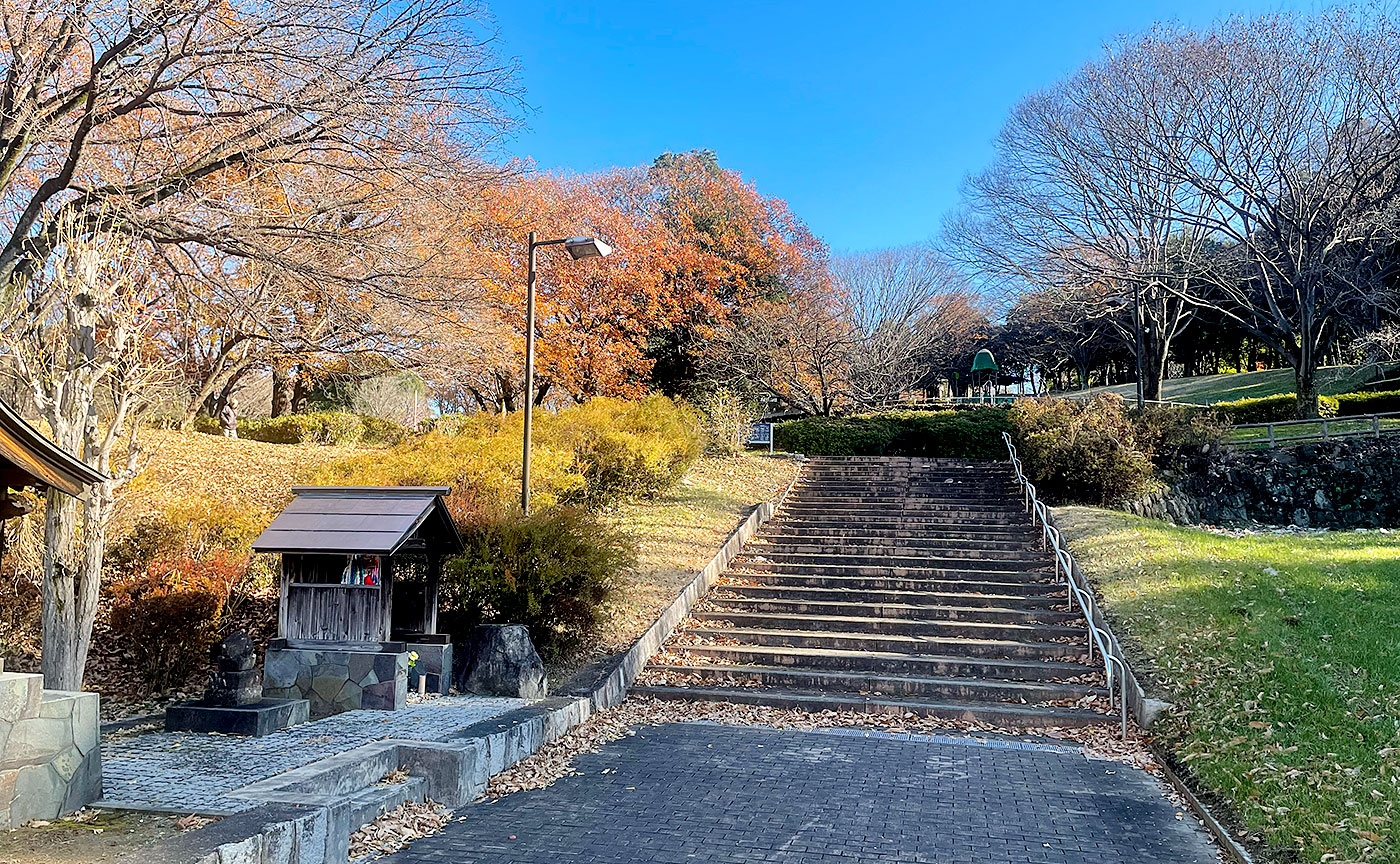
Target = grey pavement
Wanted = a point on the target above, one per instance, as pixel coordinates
(693, 792)
(193, 772)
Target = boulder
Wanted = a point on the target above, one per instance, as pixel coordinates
(502, 661)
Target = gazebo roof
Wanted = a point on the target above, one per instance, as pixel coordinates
(27, 458)
(365, 520)
(983, 361)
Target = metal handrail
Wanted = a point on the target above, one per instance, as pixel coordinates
(1064, 561)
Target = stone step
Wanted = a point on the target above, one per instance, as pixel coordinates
(920, 611)
(885, 548)
(371, 802)
(903, 583)
(799, 593)
(962, 570)
(893, 662)
(903, 508)
(992, 714)
(841, 531)
(959, 689)
(869, 520)
(921, 560)
(993, 630)
(899, 642)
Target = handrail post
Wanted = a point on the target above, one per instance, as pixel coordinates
(1271, 435)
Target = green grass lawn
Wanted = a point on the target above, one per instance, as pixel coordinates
(1281, 654)
(1205, 389)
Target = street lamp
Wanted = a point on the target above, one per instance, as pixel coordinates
(578, 248)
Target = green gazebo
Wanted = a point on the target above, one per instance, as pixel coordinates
(984, 373)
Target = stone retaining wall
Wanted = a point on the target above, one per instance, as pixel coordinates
(50, 763)
(1342, 484)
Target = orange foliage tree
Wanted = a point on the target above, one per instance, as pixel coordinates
(692, 243)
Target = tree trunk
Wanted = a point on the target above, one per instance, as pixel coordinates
(281, 389)
(1305, 377)
(63, 654)
(301, 390)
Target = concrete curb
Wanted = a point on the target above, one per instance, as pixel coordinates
(1232, 849)
(306, 815)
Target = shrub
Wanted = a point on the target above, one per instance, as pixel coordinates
(627, 448)
(723, 411)
(1368, 402)
(326, 427)
(187, 529)
(550, 571)
(168, 618)
(1270, 409)
(594, 454)
(974, 434)
(1085, 452)
(379, 430)
(1168, 432)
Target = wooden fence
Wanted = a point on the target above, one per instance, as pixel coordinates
(1321, 429)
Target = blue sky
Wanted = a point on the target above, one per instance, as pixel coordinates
(864, 116)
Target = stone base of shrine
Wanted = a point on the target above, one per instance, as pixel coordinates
(338, 678)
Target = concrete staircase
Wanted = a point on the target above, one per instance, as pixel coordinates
(891, 585)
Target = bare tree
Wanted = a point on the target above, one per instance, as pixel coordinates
(796, 351)
(85, 366)
(907, 309)
(1286, 132)
(1081, 205)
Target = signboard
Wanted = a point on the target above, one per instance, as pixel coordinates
(760, 434)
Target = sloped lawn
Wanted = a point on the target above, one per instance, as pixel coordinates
(1281, 653)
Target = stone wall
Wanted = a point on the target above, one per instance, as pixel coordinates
(336, 680)
(50, 763)
(1350, 483)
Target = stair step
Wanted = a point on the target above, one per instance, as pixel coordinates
(960, 689)
(922, 561)
(922, 612)
(992, 534)
(966, 570)
(899, 642)
(890, 582)
(797, 593)
(893, 662)
(989, 713)
(874, 624)
(887, 550)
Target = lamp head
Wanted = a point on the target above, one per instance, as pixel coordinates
(587, 247)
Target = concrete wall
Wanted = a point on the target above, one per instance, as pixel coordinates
(50, 763)
(337, 680)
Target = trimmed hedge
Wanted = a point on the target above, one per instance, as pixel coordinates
(1270, 409)
(1368, 402)
(974, 434)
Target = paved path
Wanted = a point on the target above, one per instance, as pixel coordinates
(193, 773)
(704, 793)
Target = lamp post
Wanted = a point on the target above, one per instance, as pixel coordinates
(578, 247)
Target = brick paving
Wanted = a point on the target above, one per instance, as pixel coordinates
(193, 773)
(694, 792)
